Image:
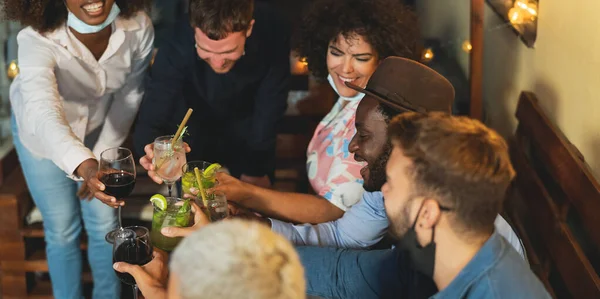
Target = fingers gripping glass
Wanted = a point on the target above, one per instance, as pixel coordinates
(132, 245)
(117, 173)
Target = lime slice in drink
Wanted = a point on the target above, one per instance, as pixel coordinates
(159, 201)
(210, 170)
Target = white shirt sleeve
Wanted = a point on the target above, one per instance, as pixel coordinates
(127, 100)
(41, 112)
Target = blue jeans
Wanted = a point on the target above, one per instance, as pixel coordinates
(55, 196)
(361, 274)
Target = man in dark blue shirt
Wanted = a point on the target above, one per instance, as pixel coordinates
(229, 61)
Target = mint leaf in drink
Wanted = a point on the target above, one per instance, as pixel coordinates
(186, 207)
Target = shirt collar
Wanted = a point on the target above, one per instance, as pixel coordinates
(485, 259)
(64, 37)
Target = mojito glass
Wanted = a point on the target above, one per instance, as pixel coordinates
(189, 185)
(178, 213)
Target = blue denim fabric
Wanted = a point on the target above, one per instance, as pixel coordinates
(496, 271)
(55, 196)
(361, 274)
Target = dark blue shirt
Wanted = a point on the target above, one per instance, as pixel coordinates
(235, 114)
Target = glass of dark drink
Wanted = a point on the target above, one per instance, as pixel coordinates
(132, 245)
(117, 173)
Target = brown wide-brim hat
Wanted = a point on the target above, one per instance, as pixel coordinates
(407, 85)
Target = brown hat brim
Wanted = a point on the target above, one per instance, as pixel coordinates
(380, 98)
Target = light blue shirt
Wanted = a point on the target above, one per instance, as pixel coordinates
(362, 226)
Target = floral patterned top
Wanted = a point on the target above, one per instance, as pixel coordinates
(332, 170)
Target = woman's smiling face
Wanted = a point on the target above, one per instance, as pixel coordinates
(350, 60)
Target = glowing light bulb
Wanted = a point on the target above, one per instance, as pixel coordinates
(304, 61)
(532, 10)
(13, 70)
(516, 16)
(520, 4)
(466, 46)
(427, 55)
(527, 10)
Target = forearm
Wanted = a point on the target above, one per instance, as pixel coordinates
(291, 207)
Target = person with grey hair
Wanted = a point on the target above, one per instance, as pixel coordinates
(227, 259)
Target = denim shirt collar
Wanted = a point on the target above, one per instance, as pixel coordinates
(486, 259)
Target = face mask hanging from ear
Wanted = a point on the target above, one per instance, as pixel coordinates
(84, 28)
(422, 258)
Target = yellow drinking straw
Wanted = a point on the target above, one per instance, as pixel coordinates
(183, 123)
(200, 187)
(176, 136)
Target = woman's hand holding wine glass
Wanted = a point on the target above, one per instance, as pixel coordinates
(88, 170)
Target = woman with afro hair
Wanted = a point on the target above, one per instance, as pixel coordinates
(344, 41)
(82, 64)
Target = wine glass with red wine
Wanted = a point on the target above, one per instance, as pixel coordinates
(132, 245)
(117, 173)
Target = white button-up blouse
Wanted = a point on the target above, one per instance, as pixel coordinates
(62, 92)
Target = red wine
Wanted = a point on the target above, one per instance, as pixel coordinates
(132, 252)
(119, 184)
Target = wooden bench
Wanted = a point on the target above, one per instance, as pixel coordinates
(554, 204)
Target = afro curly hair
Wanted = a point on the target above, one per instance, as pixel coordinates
(389, 26)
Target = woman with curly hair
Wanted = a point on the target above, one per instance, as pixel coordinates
(79, 88)
(343, 41)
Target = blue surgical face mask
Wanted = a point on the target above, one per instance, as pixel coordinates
(83, 28)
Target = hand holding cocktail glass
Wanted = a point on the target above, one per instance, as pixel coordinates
(171, 150)
(200, 220)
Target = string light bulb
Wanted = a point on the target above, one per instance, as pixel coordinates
(427, 55)
(520, 4)
(516, 16)
(467, 47)
(304, 61)
(13, 70)
(522, 11)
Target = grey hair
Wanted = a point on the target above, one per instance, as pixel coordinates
(237, 259)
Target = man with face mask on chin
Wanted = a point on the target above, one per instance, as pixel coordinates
(229, 61)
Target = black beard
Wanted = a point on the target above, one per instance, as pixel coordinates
(377, 176)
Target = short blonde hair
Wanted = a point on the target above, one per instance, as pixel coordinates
(237, 259)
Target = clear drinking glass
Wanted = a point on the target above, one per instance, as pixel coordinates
(168, 159)
(177, 214)
(217, 206)
(132, 245)
(116, 170)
